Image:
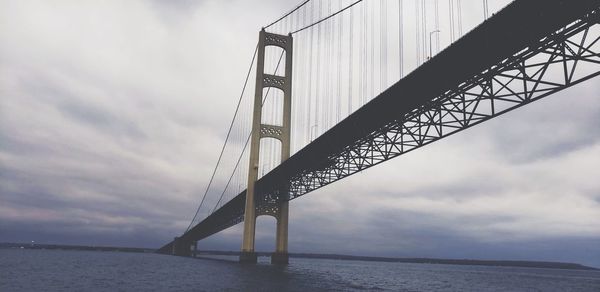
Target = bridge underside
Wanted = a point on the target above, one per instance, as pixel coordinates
(527, 51)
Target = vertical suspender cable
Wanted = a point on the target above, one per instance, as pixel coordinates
(372, 39)
(364, 54)
(361, 48)
(246, 145)
(226, 140)
(383, 45)
(437, 26)
(350, 63)
(424, 30)
(418, 30)
(310, 74)
(400, 41)
(485, 10)
(451, 11)
(324, 97)
(339, 67)
(299, 64)
(329, 68)
(287, 14)
(317, 81)
(459, 16)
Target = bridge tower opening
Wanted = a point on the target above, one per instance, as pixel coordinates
(277, 208)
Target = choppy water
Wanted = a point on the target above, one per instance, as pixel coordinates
(55, 270)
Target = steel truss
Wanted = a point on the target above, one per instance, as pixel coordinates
(561, 60)
(567, 57)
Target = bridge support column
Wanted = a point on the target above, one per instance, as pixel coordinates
(182, 247)
(280, 256)
(260, 130)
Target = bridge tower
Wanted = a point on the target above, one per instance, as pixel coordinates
(279, 209)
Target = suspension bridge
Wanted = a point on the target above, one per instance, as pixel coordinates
(342, 86)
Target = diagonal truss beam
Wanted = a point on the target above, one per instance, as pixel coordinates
(567, 57)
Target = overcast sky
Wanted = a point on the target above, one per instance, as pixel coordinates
(112, 114)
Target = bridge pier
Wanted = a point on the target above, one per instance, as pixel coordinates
(278, 206)
(280, 256)
(181, 247)
(248, 257)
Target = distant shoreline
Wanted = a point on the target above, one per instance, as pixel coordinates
(497, 263)
(469, 262)
(7, 245)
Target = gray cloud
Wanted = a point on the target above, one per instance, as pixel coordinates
(111, 119)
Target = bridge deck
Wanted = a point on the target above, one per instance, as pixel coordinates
(520, 25)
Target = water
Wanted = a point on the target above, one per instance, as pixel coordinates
(55, 270)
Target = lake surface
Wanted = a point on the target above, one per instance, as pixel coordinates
(56, 270)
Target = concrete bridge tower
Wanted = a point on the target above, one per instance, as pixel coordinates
(280, 209)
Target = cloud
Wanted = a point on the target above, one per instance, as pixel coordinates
(112, 115)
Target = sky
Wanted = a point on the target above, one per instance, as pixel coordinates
(112, 114)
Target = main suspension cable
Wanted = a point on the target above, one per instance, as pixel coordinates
(246, 144)
(328, 17)
(226, 139)
(287, 14)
